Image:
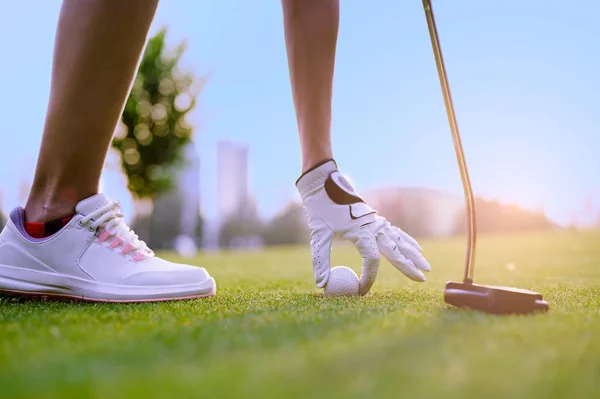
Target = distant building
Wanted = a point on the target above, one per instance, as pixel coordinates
(232, 179)
(189, 192)
(176, 215)
(234, 199)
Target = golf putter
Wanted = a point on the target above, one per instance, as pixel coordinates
(465, 294)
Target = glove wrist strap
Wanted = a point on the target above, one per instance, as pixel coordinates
(315, 177)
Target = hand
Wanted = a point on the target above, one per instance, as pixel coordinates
(333, 207)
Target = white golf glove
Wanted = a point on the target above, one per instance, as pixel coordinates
(333, 207)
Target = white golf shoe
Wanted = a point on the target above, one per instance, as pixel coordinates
(94, 257)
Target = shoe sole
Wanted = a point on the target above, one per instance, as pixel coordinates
(53, 286)
(48, 297)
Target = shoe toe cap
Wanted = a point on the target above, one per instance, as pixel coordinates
(168, 276)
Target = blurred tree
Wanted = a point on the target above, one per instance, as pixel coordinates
(494, 217)
(200, 230)
(245, 223)
(409, 208)
(410, 211)
(287, 227)
(161, 238)
(165, 223)
(154, 128)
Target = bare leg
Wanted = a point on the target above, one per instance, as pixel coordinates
(311, 29)
(97, 50)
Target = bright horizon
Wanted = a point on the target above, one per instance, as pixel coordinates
(523, 77)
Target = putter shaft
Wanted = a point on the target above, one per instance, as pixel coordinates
(460, 156)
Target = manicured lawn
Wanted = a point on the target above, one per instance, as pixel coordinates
(268, 333)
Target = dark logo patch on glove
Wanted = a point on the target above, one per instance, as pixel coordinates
(341, 180)
(340, 191)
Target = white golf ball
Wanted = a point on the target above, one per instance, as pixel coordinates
(342, 282)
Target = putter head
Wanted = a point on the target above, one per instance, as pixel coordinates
(493, 299)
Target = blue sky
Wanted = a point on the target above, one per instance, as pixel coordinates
(524, 77)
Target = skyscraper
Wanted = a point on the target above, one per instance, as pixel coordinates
(189, 191)
(176, 214)
(232, 180)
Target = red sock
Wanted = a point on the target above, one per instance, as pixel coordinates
(45, 229)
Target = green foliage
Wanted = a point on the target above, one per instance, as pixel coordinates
(244, 223)
(160, 235)
(160, 228)
(155, 129)
(495, 217)
(425, 213)
(287, 227)
(200, 229)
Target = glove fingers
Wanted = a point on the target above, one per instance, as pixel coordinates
(414, 256)
(368, 250)
(409, 247)
(366, 244)
(391, 251)
(320, 247)
(398, 235)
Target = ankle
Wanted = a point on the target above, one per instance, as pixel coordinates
(50, 205)
(48, 211)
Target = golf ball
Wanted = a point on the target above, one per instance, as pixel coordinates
(342, 282)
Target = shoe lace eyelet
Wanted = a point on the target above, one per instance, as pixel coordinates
(91, 229)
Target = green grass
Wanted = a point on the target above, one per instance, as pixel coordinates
(268, 334)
